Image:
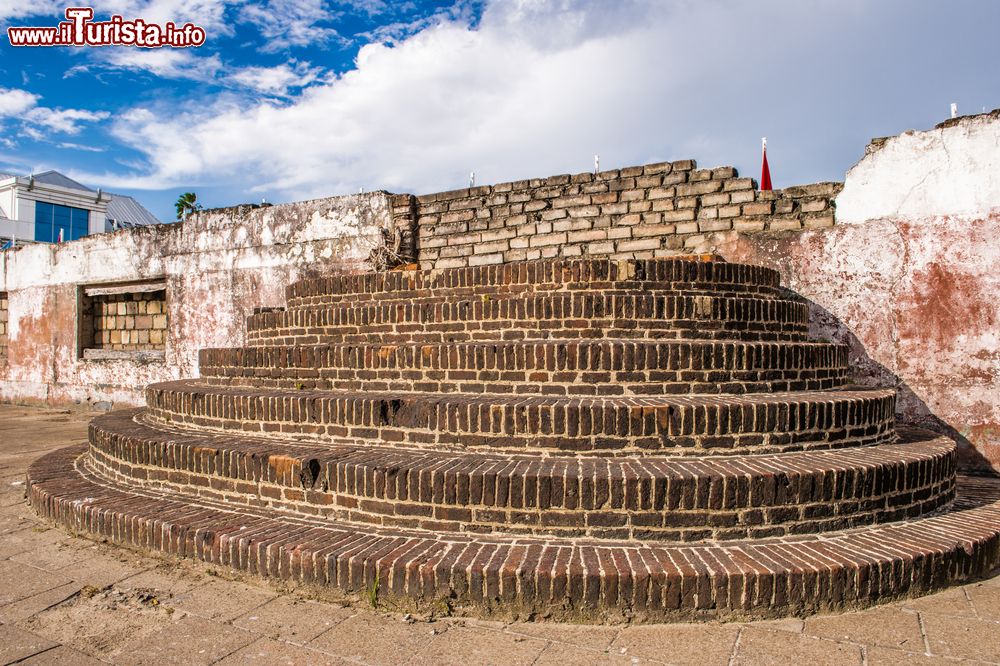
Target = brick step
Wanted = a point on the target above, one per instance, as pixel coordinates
(566, 579)
(620, 425)
(474, 293)
(569, 315)
(650, 498)
(431, 299)
(538, 276)
(552, 367)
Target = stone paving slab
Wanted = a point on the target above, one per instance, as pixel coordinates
(16, 644)
(66, 600)
(63, 656)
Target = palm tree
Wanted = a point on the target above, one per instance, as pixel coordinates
(187, 203)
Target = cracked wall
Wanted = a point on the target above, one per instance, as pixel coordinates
(908, 276)
(218, 266)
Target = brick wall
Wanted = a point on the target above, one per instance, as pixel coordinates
(123, 322)
(4, 310)
(636, 212)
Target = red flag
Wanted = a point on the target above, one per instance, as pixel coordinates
(765, 173)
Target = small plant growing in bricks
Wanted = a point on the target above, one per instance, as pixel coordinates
(372, 592)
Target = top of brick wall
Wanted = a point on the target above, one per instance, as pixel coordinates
(637, 212)
(566, 178)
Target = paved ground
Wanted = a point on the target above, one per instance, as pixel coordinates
(67, 600)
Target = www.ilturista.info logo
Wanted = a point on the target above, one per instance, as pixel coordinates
(79, 30)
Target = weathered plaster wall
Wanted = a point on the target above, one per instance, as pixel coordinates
(953, 169)
(910, 276)
(218, 266)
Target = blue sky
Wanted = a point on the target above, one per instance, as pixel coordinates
(295, 99)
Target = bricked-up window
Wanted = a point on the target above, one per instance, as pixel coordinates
(4, 325)
(123, 321)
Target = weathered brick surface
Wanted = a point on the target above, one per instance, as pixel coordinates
(563, 438)
(635, 214)
(674, 275)
(646, 498)
(552, 367)
(679, 424)
(544, 577)
(126, 322)
(549, 315)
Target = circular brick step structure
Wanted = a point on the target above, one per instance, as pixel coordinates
(536, 316)
(551, 367)
(589, 440)
(532, 577)
(676, 424)
(675, 275)
(678, 499)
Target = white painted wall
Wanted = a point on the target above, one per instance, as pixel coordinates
(218, 266)
(96, 222)
(26, 219)
(953, 169)
(7, 188)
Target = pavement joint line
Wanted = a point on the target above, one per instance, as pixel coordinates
(513, 632)
(32, 656)
(254, 639)
(736, 646)
(923, 634)
(972, 604)
(71, 595)
(538, 656)
(986, 620)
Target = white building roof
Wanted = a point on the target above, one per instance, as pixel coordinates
(55, 178)
(124, 211)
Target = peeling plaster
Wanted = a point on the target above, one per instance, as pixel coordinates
(908, 277)
(218, 266)
(950, 170)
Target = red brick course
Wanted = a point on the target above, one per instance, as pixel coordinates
(681, 424)
(536, 316)
(551, 367)
(645, 498)
(543, 276)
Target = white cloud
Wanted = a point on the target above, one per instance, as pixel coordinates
(276, 80)
(166, 63)
(528, 92)
(15, 9)
(32, 133)
(23, 105)
(66, 121)
(290, 23)
(538, 88)
(461, 11)
(14, 102)
(77, 146)
(209, 14)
